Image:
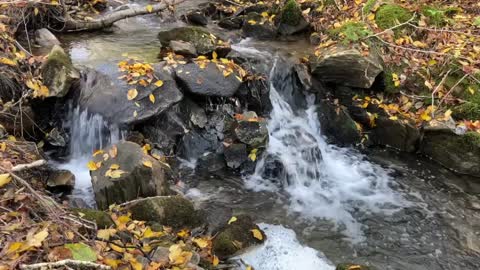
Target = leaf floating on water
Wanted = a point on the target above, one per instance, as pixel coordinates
(152, 98)
(257, 234)
(233, 219)
(132, 93)
(148, 163)
(5, 179)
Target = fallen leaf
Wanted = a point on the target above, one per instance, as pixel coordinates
(147, 163)
(149, 8)
(152, 98)
(232, 219)
(92, 166)
(201, 243)
(114, 166)
(215, 261)
(37, 239)
(106, 233)
(82, 252)
(158, 83)
(4, 179)
(132, 93)
(257, 234)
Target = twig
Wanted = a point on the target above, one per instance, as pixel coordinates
(436, 90)
(66, 263)
(34, 164)
(451, 89)
(443, 30)
(392, 28)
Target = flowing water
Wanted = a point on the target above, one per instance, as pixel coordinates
(330, 204)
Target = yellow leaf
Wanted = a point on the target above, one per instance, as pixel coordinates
(252, 22)
(114, 166)
(253, 154)
(106, 234)
(135, 114)
(265, 14)
(201, 243)
(37, 239)
(98, 152)
(215, 261)
(5, 179)
(471, 90)
(394, 118)
(149, 8)
(249, 268)
(136, 265)
(112, 262)
(148, 163)
(448, 114)
(132, 93)
(159, 83)
(11, 138)
(148, 233)
(117, 248)
(114, 174)
(177, 256)
(233, 219)
(113, 151)
(92, 166)
(7, 61)
(425, 116)
(183, 233)
(3, 147)
(257, 234)
(214, 55)
(419, 44)
(15, 247)
(152, 98)
(35, 11)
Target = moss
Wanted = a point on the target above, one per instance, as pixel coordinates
(467, 111)
(438, 16)
(369, 6)
(389, 15)
(102, 219)
(472, 139)
(291, 13)
(351, 32)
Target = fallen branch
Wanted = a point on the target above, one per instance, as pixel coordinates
(72, 25)
(66, 264)
(34, 164)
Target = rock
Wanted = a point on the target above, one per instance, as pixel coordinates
(138, 180)
(315, 39)
(45, 38)
(13, 124)
(197, 18)
(135, 137)
(351, 266)
(236, 237)
(173, 211)
(100, 95)
(235, 155)
(58, 72)
(264, 31)
(183, 48)
(291, 19)
(196, 144)
(396, 134)
(231, 23)
(102, 219)
(347, 67)
(199, 37)
(303, 76)
(336, 123)
(210, 162)
(208, 81)
(460, 153)
(61, 179)
(252, 133)
(55, 138)
(254, 95)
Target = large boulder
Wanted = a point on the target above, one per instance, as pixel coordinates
(207, 81)
(346, 66)
(45, 38)
(173, 211)
(253, 27)
(399, 134)
(58, 72)
(291, 19)
(336, 123)
(99, 94)
(460, 153)
(200, 38)
(236, 237)
(124, 173)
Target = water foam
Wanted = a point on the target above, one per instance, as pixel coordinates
(282, 251)
(322, 180)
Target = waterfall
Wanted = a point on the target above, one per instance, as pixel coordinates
(322, 180)
(89, 132)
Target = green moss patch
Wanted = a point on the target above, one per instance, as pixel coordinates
(291, 13)
(351, 32)
(438, 16)
(389, 15)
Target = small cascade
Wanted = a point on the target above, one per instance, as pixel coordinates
(88, 134)
(322, 180)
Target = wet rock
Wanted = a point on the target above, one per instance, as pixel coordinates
(265, 31)
(291, 19)
(196, 144)
(208, 81)
(210, 162)
(252, 133)
(135, 137)
(99, 94)
(347, 67)
(303, 76)
(45, 38)
(337, 123)
(315, 39)
(183, 48)
(137, 179)
(101, 218)
(61, 180)
(199, 37)
(457, 152)
(231, 23)
(58, 72)
(197, 18)
(351, 266)
(254, 95)
(235, 155)
(56, 138)
(394, 133)
(173, 211)
(236, 237)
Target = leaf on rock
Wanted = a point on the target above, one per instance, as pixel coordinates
(158, 83)
(92, 166)
(232, 219)
(132, 94)
(200, 242)
(114, 166)
(152, 98)
(82, 252)
(149, 8)
(147, 163)
(113, 151)
(257, 234)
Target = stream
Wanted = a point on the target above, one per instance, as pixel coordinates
(331, 205)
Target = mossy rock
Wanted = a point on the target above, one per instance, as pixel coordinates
(236, 237)
(337, 124)
(389, 15)
(173, 211)
(351, 266)
(101, 218)
(291, 13)
(199, 37)
(58, 72)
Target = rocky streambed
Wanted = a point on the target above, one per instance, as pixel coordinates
(220, 111)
